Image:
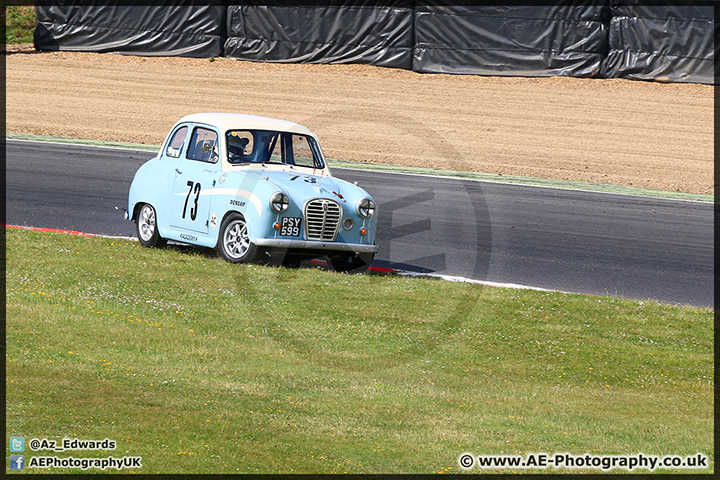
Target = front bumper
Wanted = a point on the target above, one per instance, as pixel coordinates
(315, 245)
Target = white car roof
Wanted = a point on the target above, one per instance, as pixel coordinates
(240, 121)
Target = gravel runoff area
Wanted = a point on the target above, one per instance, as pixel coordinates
(623, 132)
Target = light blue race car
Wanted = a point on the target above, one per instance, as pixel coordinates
(254, 188)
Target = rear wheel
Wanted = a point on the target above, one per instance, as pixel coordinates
(351, 262)
(146, 227)
(234, 243)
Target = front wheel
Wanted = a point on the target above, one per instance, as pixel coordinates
(146, 227)
(351, 262)
(234, 243)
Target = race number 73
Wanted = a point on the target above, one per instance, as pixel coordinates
(194, 189)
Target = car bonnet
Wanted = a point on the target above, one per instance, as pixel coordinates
(301, 186)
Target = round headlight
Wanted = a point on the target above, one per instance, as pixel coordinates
(366, 207)
(279, 202)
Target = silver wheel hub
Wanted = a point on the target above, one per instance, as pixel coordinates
(146, 222)
(235, 239)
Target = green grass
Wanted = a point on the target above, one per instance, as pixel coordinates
(200, 366)
(19, 24)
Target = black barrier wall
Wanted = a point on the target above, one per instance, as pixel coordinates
(188, 31)
(500, 40)
(374, 34)
(584, 38)
(665, 43)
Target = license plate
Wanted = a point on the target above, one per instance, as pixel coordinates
(290, 226)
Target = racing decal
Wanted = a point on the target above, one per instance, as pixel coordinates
(290, 226)
(237, 203)
(222, 178)
(194, 190)
(213, 220)
(189, 238)
(236, 192)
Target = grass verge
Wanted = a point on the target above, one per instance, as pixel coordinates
(19, 24)
(199, 366)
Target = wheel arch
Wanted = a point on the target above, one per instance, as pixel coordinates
(230, 212)
(251, 217)
(136, 210)
(217, 234)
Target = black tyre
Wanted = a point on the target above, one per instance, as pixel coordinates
(234, 243)
(146, 227)
(351, 262)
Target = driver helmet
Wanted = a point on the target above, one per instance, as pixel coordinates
(238, 142)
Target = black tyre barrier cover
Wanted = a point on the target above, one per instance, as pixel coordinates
(665, 43)
(187, 31)
(589, 38)
(518, 40)
(376, 33)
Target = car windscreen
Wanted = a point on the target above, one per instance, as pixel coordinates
(256, 146)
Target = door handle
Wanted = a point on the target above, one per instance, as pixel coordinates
(178, 171)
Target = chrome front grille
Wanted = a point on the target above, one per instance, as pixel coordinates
(322, 218)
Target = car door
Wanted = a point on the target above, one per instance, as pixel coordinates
(194, 176)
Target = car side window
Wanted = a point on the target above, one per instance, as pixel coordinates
(203, 145)
(302, 152)
(175, 146)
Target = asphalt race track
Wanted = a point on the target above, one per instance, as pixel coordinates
(574, 241)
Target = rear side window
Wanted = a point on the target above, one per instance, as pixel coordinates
(175, 146)
(203, 145)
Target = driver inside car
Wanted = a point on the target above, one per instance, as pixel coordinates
(236, 149)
